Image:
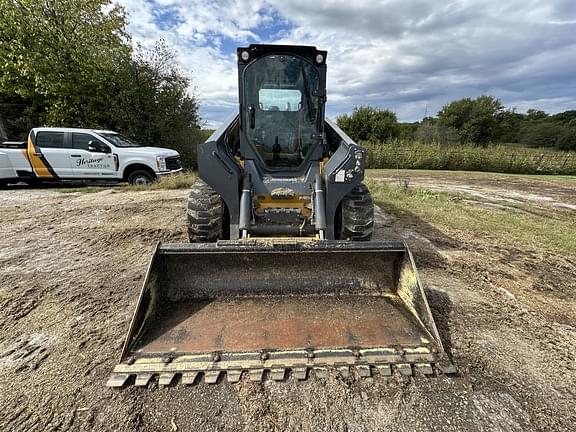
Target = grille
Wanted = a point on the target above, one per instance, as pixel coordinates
(173, 163)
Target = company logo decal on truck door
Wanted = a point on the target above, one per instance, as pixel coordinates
(99, 162)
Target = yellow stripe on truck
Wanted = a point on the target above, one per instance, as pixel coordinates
(38, 165)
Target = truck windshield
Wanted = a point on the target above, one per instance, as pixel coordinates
(120, 140)
(281, 108)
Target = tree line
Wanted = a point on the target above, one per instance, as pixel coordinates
(479, 121)
(71, 63)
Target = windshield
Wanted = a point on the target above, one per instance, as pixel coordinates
(281, 108)
(120, 140)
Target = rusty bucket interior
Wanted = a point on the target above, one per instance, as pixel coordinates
(254, 306)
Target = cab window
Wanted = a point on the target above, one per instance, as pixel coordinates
(50, 139)
(80, 141)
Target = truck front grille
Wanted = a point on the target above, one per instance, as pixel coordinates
(173, 163)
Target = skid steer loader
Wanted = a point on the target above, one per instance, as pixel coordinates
(280, 276)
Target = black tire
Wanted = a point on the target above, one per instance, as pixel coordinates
(357, 215)
(140, 178)
(205, 214)
(33, 183)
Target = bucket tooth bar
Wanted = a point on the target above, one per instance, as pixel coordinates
(278, 366)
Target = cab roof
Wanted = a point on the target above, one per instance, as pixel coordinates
(61, 129)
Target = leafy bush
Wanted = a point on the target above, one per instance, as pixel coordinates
(369, 124)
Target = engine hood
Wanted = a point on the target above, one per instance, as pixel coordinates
(151, 151)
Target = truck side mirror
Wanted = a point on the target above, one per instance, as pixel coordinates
(97, 147)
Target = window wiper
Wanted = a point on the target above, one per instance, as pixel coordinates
(252, 114)
(307, 93)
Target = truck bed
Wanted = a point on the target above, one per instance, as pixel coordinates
(13, 144)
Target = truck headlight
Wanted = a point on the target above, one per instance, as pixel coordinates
(161, 162)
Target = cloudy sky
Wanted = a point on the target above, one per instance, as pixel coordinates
(408, 56)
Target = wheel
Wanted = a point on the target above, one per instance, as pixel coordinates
(33, 183)
(140, 178)
(205, 213)
(357, 215)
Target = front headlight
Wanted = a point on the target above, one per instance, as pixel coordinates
(161, 162)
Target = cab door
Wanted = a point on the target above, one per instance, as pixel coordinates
(91, 158)
(54, 150)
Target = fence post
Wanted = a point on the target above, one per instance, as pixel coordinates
(539, 162)
(512, 157)
(565, 161)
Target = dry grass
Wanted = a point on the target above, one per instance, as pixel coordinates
(182, 180)
(495, 158)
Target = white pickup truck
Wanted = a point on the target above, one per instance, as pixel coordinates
(55, 154)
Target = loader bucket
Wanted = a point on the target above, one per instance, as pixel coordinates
(273, 309)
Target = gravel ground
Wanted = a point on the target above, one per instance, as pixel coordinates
(71, 266)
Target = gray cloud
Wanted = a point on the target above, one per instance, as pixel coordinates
(518, 51)
(403, 55)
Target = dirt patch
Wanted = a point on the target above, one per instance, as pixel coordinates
(502, 190)
(71, 266)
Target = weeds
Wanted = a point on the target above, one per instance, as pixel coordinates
(182, 180)
(494, 158)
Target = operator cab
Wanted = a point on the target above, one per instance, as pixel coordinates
(282, 96)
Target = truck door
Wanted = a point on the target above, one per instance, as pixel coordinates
(91, 158)
(56, 151)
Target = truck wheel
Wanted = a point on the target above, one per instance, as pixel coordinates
(357, 215)
(140, 178)
(205, 214)
(33, 183)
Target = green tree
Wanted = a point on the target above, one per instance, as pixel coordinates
(408, 131)
(430, 132)
(510, 124)
(567, 138)
(476, 120)
(56, 53)
(534, 114)
(564, 117)
(151, 102)
(69, 63)
(550, 134)
(367, 123)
